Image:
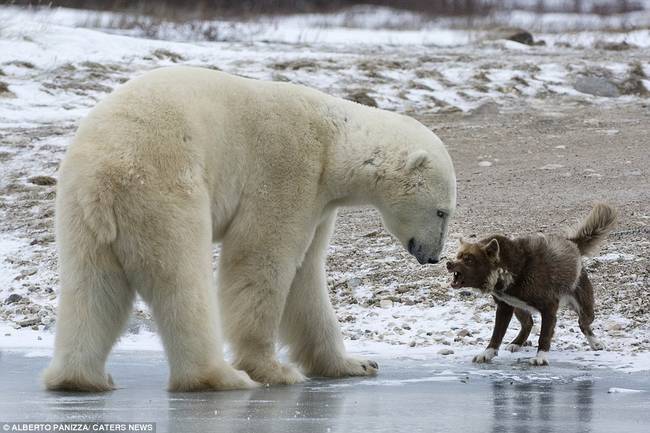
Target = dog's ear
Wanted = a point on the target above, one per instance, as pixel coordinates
(492, 249)
(417, 160)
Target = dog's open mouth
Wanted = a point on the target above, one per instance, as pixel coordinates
(457, 280)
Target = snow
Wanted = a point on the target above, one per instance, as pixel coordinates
(624, 391)
(614, 257)
(406, 63)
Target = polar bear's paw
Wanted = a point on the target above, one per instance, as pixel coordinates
(67, 381)
(347, 367)
(221, 378)
(272, 372)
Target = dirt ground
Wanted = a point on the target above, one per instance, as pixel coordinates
(536, 170)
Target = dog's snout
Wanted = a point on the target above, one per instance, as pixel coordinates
(450, 266)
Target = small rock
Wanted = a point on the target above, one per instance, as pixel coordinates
(614, 326)
(489, 108)
(522, 36)
(42, 180)
(485, 164)
(597, 86)
(386, 303)
(353, 283)
(464, 333)
(13, 298)
(412, 344)
(551, 166)
(613, 46)
(445, 352)
(29, 271)
(403, 289)
(29, 322)
(362, 97)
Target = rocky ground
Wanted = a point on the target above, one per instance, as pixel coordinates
(537, 134)
(526, 171)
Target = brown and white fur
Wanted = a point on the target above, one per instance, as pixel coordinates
(534, 274)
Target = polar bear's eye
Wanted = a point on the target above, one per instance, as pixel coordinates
(441, 214)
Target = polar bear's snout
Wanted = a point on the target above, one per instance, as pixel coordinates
(417, 250)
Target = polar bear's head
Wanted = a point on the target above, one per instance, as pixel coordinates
(418, 199)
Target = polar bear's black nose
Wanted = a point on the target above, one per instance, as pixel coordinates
(434, 260)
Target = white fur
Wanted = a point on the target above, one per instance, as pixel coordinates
(595, 343)
(485, 356)
(571, 301)
(497, 275)
(180, 158)
(540, 359)
(514, 301)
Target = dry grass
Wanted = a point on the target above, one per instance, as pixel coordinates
(4, 91)
(182, 11)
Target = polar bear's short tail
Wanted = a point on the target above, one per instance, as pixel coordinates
(97, 202)
(592, 232)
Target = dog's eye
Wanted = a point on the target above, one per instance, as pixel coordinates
(469, 260)
(441, 214)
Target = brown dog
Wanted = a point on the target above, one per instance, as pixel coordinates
(534, 274)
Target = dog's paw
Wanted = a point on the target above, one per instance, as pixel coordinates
(513, 348)
(595, 343)
(484, 357)
(540, 359)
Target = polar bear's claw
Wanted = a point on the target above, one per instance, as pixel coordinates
(346, 367)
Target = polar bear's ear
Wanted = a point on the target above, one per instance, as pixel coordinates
(417, 160)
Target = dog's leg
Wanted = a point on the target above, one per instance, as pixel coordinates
(584, 295)
(526, 321)
(549, 318)
(503, 317)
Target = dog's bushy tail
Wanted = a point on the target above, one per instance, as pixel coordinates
(592, 232)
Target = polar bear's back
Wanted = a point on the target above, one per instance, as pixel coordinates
(204, 111)
(184, 131)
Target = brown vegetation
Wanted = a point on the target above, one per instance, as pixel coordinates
(206, 9)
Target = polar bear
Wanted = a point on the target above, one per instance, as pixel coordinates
(183, 157)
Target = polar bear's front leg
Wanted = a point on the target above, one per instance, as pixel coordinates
(309, 325)
(253, 285)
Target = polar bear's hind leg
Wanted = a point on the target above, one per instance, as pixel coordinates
(94, 305)
(174, 276)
